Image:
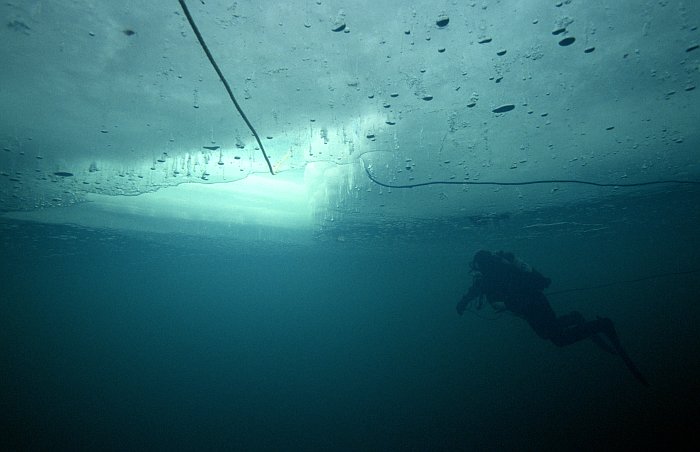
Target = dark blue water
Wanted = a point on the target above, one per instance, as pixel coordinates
(124, 341)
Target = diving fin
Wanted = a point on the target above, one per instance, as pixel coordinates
(630, 365)
(609, 330)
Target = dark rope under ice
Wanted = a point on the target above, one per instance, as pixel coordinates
(223, 80)
(530, 182)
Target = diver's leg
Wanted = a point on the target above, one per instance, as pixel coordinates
(572, 328)
(581, 330)
(541, 317)
(568, 336)
(570, 319)
(590, 329)
(575, 319)
(603, 344)
(605, 326)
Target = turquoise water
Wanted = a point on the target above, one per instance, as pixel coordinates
(134, 341)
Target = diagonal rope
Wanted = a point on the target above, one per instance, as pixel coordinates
(223, 80)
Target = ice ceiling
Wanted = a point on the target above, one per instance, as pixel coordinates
(103, 99)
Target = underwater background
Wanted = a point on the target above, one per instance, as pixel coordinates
(114, 340)
(246, 225)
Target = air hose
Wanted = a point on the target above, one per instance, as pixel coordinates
(627, 281)
(496, 315)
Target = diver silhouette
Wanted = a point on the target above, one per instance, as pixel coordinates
(509, 284)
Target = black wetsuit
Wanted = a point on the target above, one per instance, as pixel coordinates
(501, 278)
(532, 305)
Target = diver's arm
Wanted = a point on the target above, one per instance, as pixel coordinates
(474, 291)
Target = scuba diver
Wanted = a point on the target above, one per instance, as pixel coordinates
(509, 284)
